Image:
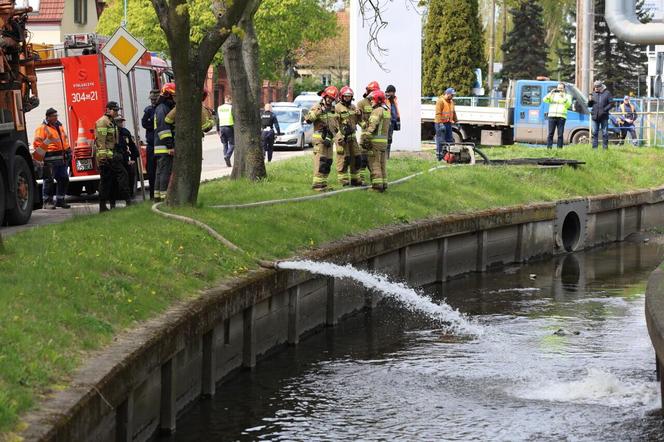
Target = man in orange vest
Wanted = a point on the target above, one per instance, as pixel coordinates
(445, 117)
(52, 148)
(395, 117)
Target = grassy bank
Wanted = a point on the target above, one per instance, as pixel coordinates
(67, 289)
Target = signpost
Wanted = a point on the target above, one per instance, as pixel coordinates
(124, 51)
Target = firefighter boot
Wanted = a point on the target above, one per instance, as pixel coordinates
(102, 206)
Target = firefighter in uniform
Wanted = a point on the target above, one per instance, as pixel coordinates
(325, 130)
(364, 109)
(113, 175)
(164, 143)
(374, 140)
(349, 160)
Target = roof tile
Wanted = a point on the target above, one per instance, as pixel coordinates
(50, 11)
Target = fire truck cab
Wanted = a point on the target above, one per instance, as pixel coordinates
(78, 81)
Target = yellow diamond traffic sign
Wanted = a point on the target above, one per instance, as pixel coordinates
(123, 50)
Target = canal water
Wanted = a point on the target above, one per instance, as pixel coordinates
(565, 356)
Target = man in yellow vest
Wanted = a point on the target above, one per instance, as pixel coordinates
(374, 140)
(559, 102)
(52, 147)
(225, 128)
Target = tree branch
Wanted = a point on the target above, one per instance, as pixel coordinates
(227, 16)
(370, 10)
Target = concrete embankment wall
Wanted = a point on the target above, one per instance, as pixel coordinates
(139, 384)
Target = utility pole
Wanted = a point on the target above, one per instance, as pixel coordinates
(585, 25)
(492, 47)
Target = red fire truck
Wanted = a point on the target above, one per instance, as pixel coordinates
(78, 81)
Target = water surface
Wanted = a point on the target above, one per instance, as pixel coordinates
(565, 356)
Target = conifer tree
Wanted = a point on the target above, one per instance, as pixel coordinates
(620, 65)
(565, 50)
(453, 46)
(525, 49)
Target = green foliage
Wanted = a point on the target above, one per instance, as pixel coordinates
(142, 23)
(61, 302)
(307, 84)
(453, 46)
(525, 49)
(282, 26)
(621, 65)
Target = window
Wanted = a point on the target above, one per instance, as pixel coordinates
(81, 12)
(326, 79)
(531, 95)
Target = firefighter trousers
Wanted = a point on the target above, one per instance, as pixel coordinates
(113, 181)
(163, 174)
(349, 162)
(378, 168)
(322, 164)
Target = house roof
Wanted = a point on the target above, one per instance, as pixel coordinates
(50, 11)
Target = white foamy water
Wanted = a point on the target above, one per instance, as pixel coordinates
(450, 318)
(597, 387)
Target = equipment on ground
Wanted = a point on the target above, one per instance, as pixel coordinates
(463, 153)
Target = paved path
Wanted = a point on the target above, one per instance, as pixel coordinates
(213, 167)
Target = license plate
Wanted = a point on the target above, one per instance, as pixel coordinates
(83, 165)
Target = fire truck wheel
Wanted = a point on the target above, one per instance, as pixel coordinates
(3, 197)
(25, 193)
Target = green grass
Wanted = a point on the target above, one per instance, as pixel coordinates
(68, 289)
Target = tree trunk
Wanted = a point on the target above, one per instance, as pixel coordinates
(241, 61)
(186, 176)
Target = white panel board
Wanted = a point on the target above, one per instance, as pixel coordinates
(402, 63)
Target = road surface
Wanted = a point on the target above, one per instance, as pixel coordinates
(213, 167)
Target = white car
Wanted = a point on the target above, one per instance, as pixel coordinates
(307, 99)
(295, 133)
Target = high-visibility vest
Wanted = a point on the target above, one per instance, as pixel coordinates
(559, 103)
(49, 139)
(444, 110)
(225, 115)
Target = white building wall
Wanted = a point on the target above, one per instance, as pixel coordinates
(44, 34)
(402, 63)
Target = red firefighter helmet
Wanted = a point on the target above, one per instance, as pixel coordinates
(346, 90)
(378, 97)
(168, 89)
(330, 91)
(373, 86)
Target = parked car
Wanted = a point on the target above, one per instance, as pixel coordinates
(307, 99)
(295, 133)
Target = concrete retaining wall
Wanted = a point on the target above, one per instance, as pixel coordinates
(139, 384)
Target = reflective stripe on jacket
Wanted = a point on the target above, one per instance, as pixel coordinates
(106, 137)
(559, 103)
(163, 130)
(49, 138)
(445, 112)
(225, 114)
(378, 128)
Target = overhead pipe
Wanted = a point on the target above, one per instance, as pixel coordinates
(621, 17)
